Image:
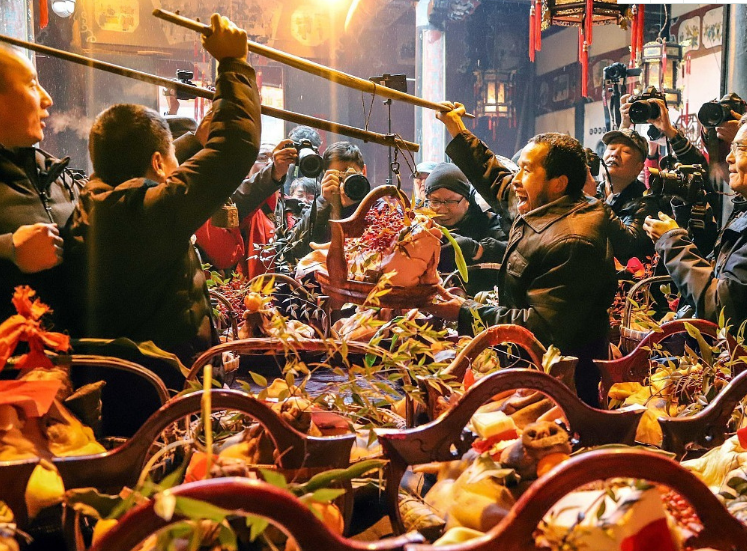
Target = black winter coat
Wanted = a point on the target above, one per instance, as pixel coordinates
(144, 279)
(632, 207)
(482, 228)
(30, 194)
(708, 286)
(558, 275)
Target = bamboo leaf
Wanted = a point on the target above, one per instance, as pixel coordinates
(705, 350)
(274, 478)
(458, 255)
(325, 495)
(200, 510)
(325, 479)
(256, 526)
(91, 502)
(258, 379)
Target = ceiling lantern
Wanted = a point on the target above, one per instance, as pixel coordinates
(583, 14)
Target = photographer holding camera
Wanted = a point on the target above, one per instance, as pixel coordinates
(653, 110)
(625, 194)
(344, 185)
(717, 283)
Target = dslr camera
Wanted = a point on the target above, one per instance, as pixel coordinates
(353, 184)
(685, 181)
(309, 163)
(717, 112)
(185, 77)
(642, 109)
(618, 71)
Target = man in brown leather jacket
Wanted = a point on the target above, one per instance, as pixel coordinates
(557, 278)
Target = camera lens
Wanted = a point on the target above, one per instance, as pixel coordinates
(309, 162)
(713, 113)
(356, 187)
(642, 111)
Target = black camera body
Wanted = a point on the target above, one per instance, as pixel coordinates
(594, 162)
(618, 72)
(353, 184)
(642, 109)
(684, 181)
(309, 162)
(185, 77)
(716, 112)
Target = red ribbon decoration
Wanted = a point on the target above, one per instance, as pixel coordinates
(43, 14)
(538, 26)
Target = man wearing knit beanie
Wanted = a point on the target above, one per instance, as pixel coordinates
(479, 235)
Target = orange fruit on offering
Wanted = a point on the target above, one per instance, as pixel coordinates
(253, 302)
(546, 464)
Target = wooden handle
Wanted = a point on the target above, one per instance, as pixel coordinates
(635, 366)
(445, 438)
(493, 336)
(311, 67)
(388, 140)
(120, 467)
(251, 497)
(707, 428)
(272, 345)
(434, 441)
(514, 533)
(648, 282)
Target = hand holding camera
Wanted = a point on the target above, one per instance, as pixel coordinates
(625, 121)
(348, 187)
(283, 156)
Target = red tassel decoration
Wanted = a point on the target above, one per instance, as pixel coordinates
(589, 21)
(532, 28)
(633, 36)
(43, 14)
(538, 26)
(639, 27)
(584, 59)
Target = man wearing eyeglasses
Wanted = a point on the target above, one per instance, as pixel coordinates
(479, 235)
(717, 283)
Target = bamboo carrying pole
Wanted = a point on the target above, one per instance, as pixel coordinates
(297, 118)
(311, 67)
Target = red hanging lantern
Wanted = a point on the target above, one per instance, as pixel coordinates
(583, 14)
